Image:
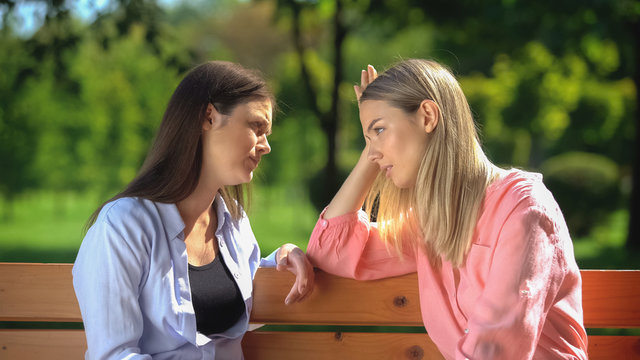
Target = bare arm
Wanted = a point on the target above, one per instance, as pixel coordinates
(351, 195)
(353, 191)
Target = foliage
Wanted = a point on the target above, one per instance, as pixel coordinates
(16, 126)
(79, 102)
(586, 187)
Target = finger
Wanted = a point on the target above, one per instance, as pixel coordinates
(364, 78)
(292, 296)
(375, 73)
(370, 73)
(308, 289)
(283, 264)
(356, 88)
(305, 282)
(305, 295)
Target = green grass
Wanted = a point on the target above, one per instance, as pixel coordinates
(47, 227)
(44, 226)
(281, 215)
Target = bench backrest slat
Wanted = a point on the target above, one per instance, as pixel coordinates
(44, 292)
(337, 300)
(610, 298)
(37, 292)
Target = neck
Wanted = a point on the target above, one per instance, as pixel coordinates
(195, 208)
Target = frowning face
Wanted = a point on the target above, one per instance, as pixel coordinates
(234, 144)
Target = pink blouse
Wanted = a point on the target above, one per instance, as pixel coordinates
(516, 296)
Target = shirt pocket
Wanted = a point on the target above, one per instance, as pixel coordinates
(473, 276)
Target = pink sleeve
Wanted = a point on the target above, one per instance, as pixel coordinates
(526, 272)
(349, 246)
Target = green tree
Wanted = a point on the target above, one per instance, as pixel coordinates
(17, 142)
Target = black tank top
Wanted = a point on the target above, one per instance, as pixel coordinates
(217, 300)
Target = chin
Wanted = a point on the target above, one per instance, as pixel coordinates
(402, 184)
(248, 178)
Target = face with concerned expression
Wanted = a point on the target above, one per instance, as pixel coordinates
(397, 140)
(233, 144)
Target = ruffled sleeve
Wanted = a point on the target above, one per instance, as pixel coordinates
(350, 246)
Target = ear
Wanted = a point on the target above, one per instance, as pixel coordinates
(210, 117)
(428, 114)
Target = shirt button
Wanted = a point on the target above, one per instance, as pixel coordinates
(324, 224)
(236, 275)
(466, 331)
(221, 243)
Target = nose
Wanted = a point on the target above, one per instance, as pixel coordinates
(263, 146)
(373, 155)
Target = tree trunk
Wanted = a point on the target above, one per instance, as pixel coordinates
(330, 180)
(330, 123)
(633, 239)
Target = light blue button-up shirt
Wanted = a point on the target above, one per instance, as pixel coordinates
(132, 283)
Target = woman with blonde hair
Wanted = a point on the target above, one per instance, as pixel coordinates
(496, 270)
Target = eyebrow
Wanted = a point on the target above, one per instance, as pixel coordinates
(373, 123)
(265, 122)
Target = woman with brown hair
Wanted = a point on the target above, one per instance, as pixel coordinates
(496, 271)
(165, 270)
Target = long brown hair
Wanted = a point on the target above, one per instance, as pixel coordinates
(454, 172)
(171, 169)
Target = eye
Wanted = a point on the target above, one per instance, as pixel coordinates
(378, 130)
(259, 127)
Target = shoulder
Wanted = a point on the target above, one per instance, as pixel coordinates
(127, 210)
(518, 188)
(138, 218)
(521, 199)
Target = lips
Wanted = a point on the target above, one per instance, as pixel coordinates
(254, 161)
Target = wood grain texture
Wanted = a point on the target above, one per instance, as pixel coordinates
(42, 344)
(44, 292)
(611, 299)
(37, 292)
(332, 345)
(614, 347)
(337, 301)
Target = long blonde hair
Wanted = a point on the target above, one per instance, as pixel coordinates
(442, 209)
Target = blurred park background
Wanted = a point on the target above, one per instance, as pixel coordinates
(83, 85)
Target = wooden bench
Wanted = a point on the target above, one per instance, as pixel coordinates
(43, 293)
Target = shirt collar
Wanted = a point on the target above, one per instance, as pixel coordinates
(222, 211)
(171, 219)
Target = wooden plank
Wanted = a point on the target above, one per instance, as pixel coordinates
(614, 347)
(71, 344)
(610, 298)
(337, 301)
(44, 292)
(259, 345)
(37, 292)
(42, 344)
